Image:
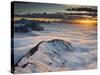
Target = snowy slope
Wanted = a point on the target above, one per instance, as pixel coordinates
(52, 55)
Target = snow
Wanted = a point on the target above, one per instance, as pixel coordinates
(49, 57)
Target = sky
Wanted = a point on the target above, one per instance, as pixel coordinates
(32, 7)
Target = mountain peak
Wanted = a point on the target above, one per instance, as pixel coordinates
(50, 53)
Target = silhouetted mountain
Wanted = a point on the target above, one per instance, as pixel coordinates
(28, 26)
(22, 21)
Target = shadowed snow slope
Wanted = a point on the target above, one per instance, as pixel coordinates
(53, 55)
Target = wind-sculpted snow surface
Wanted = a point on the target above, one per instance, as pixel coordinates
(53, 55)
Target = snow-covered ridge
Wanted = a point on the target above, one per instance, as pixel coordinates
(53, 50)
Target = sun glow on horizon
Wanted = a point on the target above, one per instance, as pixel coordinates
(85, 21)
